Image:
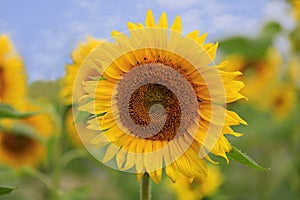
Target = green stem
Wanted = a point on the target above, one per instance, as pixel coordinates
(145, 193)
(57, 165)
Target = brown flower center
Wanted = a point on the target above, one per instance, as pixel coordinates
(15, 144)
(156, 102)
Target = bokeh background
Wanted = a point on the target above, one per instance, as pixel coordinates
(261, 38)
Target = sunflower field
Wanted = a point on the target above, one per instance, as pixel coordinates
(156, 112)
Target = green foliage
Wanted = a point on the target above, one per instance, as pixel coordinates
(6, 190)
(250, 48)
(7, 111)
(45, 90)
(237, 155)
(80, 116)
(80, 193)
(270, 30)
(295, 39)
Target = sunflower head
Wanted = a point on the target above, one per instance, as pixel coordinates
(12, 75)
(20, 150)
(22, 141)
(157, 100)
(280, 100)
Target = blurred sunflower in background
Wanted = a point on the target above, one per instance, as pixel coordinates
(201, 187)
(22, 141)
(12, 75)
(280, 100)
(258, 74)
(78, 56)
(167, 60)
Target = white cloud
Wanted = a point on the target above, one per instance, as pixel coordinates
(220, 20)
(283, 45)
(279, 11)
(231, 24)
(193, 19)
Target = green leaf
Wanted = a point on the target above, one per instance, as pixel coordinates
(249, 48)
(98, 78)
(81, 115)
(46, 91)
(101, 114)
(270, 30)
(5, 190)
(237, 155)
(7, 111)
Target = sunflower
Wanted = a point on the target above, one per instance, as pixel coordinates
(200, 187)
(78, 55)
(22, 140)
(157, 100)
(12, 75)
(280, 99)
(257, 73)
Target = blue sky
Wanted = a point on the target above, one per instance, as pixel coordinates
(45, 32)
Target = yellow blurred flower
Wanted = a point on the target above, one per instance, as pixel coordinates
(42, 122)
(201, 187)
(78, 56)
(12, 75)
(166, 59)
(294, 70)
(19, 148)
(257, 74)
(280, 99)
(71, 129)
(296, 9)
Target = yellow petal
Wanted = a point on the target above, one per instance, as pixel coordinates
(148, 157)
(139, 176)
(121, 158)
(110, 153)
(129, 161)
(132, 26)
(156, 175)
(212, 51)
(115, 33)
(100, 140)
(201, 38)
(171, 173)
(177, 26)
(193, 34)
(150, 19)
(163, 21)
